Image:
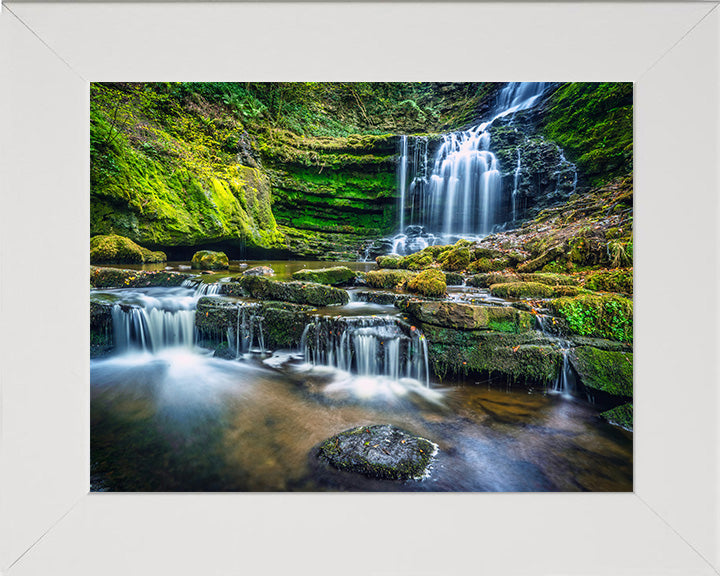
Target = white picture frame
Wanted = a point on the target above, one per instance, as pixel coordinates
(50, 524)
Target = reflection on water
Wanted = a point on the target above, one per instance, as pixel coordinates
(283, 268)
(180, 420)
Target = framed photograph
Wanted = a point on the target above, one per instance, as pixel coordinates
(512, 133)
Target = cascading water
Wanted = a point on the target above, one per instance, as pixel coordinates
(367, 346)
(463, 195)
(565, 382)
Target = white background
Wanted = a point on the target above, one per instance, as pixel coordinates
(48, 523)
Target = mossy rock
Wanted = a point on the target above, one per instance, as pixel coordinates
(334, 276)
(604, 370)
(454, 279)
(114, 249)
(379, 451)
(526, 356)
(544, 259)
(487, 280)
(463, 316)
(598, 315)
(388, 279)
(209, 260)
(551, 279)
(521, 290)
(418, 261)
(455, 259)
(391, 261)
(117, 278)
(488, 265)
(620, 416)
(610, 281)
(430, 282)
(310, 293)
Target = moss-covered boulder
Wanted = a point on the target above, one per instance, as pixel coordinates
(550, 279)
(117, 278)
(209, 260)
(311, 293)
(604, 370)
(418, 261)
(430, 282)
(482, 265)
(620, 416)
(610, 281)
(469, 316)
(391, 261)
(454, 279)
(457, 258)
(379, 451)
(487, 280)
(597, 315)
(526, 356)
(521, 290)
(335, 276)
(114, 249)
(388, 279)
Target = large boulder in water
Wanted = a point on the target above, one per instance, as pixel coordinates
(114, 249)
(335, 276)
(209, 260)
(463, 316)
(379, 451)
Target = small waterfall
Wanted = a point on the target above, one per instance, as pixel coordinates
(248, 330)
(152, 329)
(565, 382)
(516, 180)
(367, 346)
(202, 288)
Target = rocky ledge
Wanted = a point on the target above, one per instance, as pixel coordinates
(379, 451)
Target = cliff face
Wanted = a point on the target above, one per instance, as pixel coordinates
(309, 169)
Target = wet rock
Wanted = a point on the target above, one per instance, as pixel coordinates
(521, 290)
(298, 292)
(114, 249)
(259, 271)
(379, 451)
(117, 278)
(335, 276)
(620, 416)
(209, 260)
(224, 352)
(454, 279)
(487, 280)
(604, 370)
(388, 279)
(430, 282)
(469, 316)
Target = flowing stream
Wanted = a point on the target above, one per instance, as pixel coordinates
(168, 415)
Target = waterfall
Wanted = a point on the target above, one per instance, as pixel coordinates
(402, 178)
(516, 179)
(248, 330)
(367, 346)
(151, 329)
(565, 381)
(463, 195)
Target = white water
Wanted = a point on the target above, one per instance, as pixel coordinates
(463, 195)
(367, 346)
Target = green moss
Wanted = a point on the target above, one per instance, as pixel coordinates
(593, 123)
(430, 282)
(457, 258)
(521, 290)
(551, 279)
(487, 280)
(608, 371)
(116, 278)
(209, 260)
(454, 279)
(391, 262)
(611, 281)
(311, 293)
(388, 279)
(334, 276)
(468, 316)
(418, 261)
(114, 249)
(620, 416)
(601, 316)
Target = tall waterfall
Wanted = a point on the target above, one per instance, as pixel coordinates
(367, 346)
(463, 194)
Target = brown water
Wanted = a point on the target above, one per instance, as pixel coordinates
(182, 421)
